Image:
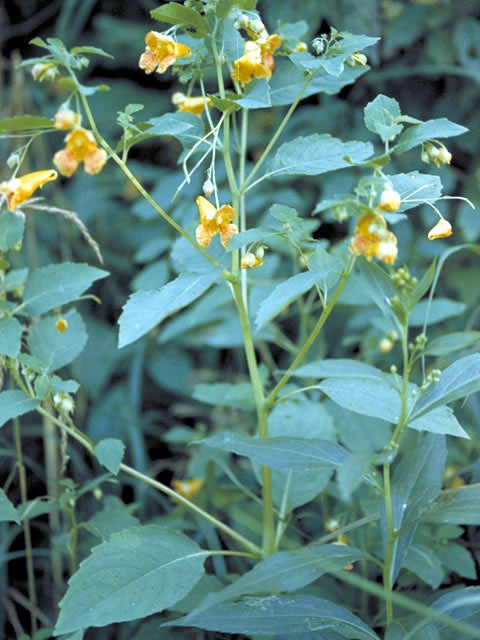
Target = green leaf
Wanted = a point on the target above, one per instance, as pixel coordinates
(456, 506)
(186, 127)
(285, 293)
(15, 278)
(257, 95)
(378, 286)
(351, 472)
(92, 50)
(146, 309)
(10, 336)
(276, 615)
(423, 286)
(54, 347)
(8, 513)
(114, 517)
(458, 559)
(178, 14)
(57, 284)
(223, 394)
(110, 453)
(416, 186)
(34, 508)
(441, 420)
(139, 571)
(26, 122)
(438, 310)
(316, 154)
(14, 404)
(339, 368)
(447, 344)
(281, 453)
(380, 117)
(248, 237)
(287, 571)
(416, 482)
(224, 7)
(456, 381)
(11, 229)
(425, 564)
(419, 133)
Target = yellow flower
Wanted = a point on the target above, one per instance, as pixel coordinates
(342, 541)
(257, 61)
(188, 488)
(61, 325)
(66, 119)
(442, 229)
(161, 52)
(190, 104)
(213, 221)
(43, 71)
(389, 200)
(301, 46)
(373, 239)
(17, 190)
(253, 260)
(80, 146)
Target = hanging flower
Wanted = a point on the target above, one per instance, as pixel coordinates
(442, 229)
(213, 221)
(190, 104)
(17, 190)
(257, 61)
(161, 52)
(390, 200)
(188, 488)
(80, 146)
(66, 118)
(253, 260)
(372, 239)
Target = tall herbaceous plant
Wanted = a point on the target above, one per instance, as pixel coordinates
(322, 444)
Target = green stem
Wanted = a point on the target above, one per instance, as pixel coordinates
(276, 135)
(243, 213)
(313, 336)
(387, 567)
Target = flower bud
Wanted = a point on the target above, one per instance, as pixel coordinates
(442, 229)
(386, 345)
(444, 156)
(248, 261)
(260, 252)
(43, 71)
(66, 118)
(357, 60)
(97, 493)
(389, 200)
(318, 45)
(301, 46)
(208, 188)
(257, 26)
(13, 160)
(61, 325)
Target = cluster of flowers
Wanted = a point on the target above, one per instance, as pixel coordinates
(257, 61)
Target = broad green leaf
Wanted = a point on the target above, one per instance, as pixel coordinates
(275, 615)
(281, 453)
(441, 420)
(416, 482)
(380, 117)
(414, 187)
(34, 508)
(436, 311)
(223, 394)
(419, 133)
(15, 278)
(14, 404)
(247, 237)
(146, 309)
(425, 564)
(58, 284)
(54, 347)
(11, 229)
(110, 453)
(451, 342)
(178, 14)
(8, 513)
(423, 286)
(458, 559)
(378, 286)
(316, 154)
(137, 572)
(26, 122)
(257, 95)
(455, 506)
(285, 293)
(186, 127)
(10, 336)
(289, 80)
(338, 368)
(287, 571)
(351, 472)
(456, 381)
(112, 518)
(93, 50)
(224, 7)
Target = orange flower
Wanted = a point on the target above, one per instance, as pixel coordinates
(66, 118)
(80, 147)
(213, 221)
(442, 229)
(373, 239)
(17, 190)
(390, 200)
(257, 61)
(161, 52)
(188, 488)
(190, 104)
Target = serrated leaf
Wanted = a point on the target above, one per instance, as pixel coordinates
(285, 293)
(316, 154)
(380, 117)
(54, 347)
(177, 14)
(257, 95)
(8, 513)
(26, 122)
(57, 284)
(13, 404)
(110, 453)
(281, 453)
(11, 229)
(10, 336)
(145, 309)
(456, 381)
(139, 571)
(275, 615)
(419, 133)
(416, 186)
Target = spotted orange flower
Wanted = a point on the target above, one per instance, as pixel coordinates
(80, 146)
(213, 221)
(257, 61)
(161, 52)
(372, 239)
(17, 190)
(188, 488)
(190, 104)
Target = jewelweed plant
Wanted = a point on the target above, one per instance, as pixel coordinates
(309, 404)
